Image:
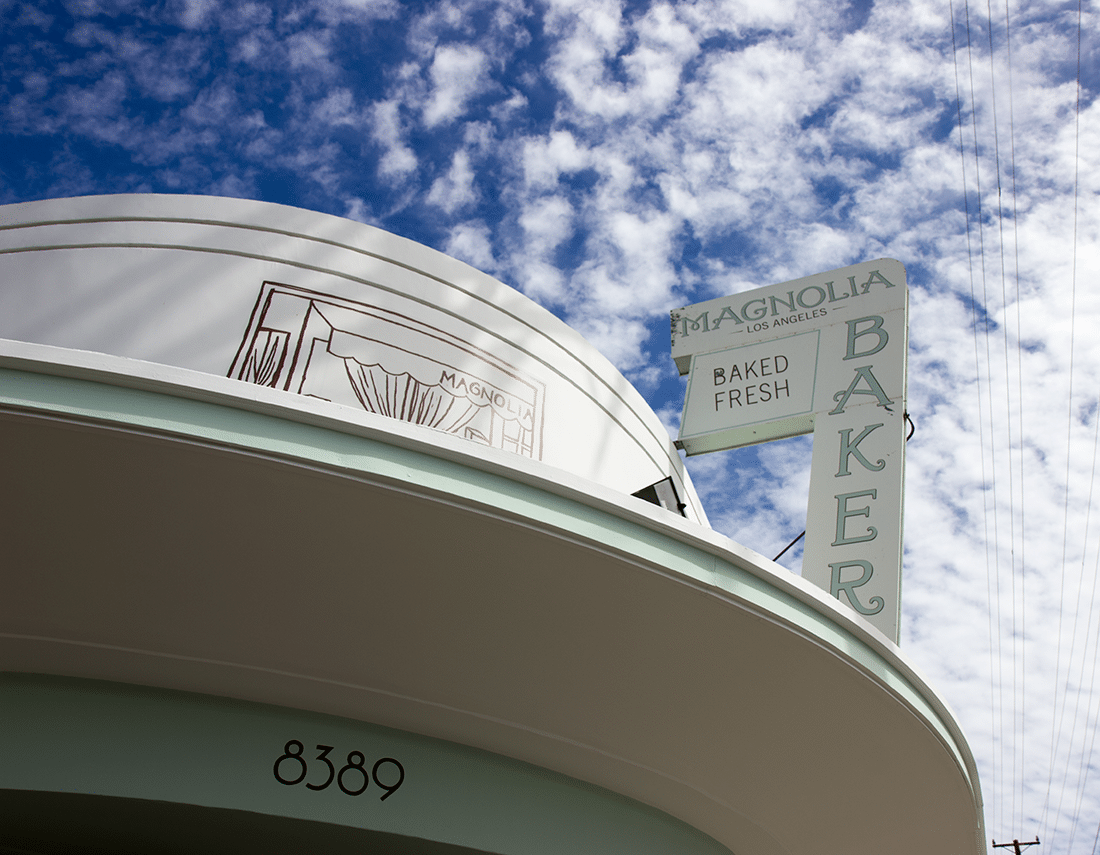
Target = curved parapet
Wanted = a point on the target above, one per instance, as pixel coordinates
(332, 310)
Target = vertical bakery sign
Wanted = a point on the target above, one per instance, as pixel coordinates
(827, 355)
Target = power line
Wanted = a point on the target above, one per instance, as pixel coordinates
(1056, 720)
(1014, 776)
(995, 569)
(994, 646)
(1021, 699)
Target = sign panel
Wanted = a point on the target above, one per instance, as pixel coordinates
(751, 393)
(825, 354)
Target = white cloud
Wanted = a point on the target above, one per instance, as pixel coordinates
(594, 34)
(458, 73)
(336, 108)
(213, 106)
(546, 222)
(545, 160)
(241, 187)
(195, 12)
(455, 189)
(335, 12)
(245, 16)
(619, 339)
(250, 47)
(637, 248)
(318, 163)
(542, 281)
(471, 243)
(356, 209)
(504, 110)
(739, 16)
(398, 158)
(309, 49)
(30, 16)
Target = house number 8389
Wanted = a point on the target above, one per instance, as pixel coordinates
(352, 778)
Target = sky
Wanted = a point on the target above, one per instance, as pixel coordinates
(615, 160)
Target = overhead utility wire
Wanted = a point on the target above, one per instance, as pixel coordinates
(1073, 643)
(1056, 725)
(1090, 713)
(995, 570)
(1087, 759)
(1021, 700)
(994, 646)
(1092, 699)
(1014, 776)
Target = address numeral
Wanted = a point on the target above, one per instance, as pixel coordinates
(352, 778)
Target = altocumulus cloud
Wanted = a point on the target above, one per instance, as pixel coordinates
(617, 160)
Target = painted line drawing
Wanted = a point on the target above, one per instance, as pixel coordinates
(328, 347)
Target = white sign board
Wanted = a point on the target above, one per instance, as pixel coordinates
(825, 354)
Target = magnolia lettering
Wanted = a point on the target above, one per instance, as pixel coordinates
(483, 393)
(787, 306)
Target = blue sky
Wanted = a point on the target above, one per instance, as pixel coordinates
(616, 160)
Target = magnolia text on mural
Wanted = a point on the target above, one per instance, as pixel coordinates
(482, 393)
(866, 337)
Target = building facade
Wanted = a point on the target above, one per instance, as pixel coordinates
(317, 538)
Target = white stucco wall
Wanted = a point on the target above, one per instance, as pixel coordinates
(329, 308)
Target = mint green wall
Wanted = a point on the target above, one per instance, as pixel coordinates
(83, 736)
